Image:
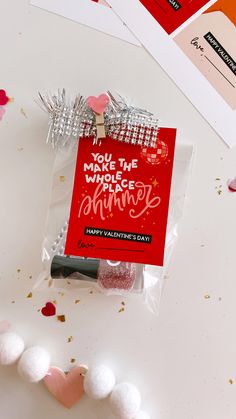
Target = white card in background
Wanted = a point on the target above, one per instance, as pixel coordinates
(89, 13)
(192, 55)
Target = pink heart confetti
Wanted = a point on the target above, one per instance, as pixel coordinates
(2, 112)
(232, 185)
(4, 326)
(66, 388)
(98, 104)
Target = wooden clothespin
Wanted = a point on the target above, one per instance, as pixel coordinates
(101, 132)
(99, 105)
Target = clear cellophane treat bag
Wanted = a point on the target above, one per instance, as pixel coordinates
(118, 189)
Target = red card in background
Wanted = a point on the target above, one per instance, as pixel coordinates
(172, 13)
(120, 200)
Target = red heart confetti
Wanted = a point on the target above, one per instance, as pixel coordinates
(4, 99)
(232, 185)
(49, 309)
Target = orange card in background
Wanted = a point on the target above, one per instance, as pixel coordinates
(228, 7)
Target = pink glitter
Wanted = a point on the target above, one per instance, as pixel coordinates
(121, 276)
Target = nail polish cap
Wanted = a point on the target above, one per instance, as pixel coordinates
(64, 266)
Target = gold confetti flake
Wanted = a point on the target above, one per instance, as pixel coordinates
(13, 302)
(91, 292)
(61, 293)
(62, 178)
(61, 318)
(70, 339)
(55, 302)
(72, 360)
(77, 301)
(218, 187)
(50, 282)
(30, 295)
(22, 111)
(207, 296)
(231, 381)
(18, 270)
(121, 310)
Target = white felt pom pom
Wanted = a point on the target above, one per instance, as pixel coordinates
(34, 364)
(142, 415)
(99, 381)
(11, 348)
(125, 401)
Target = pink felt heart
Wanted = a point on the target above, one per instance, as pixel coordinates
(4, 326)
(98, 104)
(66, 388)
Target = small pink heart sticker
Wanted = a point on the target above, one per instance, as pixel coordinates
(66, 388)
(98, 104)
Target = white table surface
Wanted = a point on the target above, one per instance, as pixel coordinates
(183, 359)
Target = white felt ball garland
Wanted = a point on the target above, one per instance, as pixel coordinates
(11, 348)
(99, 381)
(125, 401)
(34, 364)
(124, 398)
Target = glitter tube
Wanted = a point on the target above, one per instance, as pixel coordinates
(108, 274)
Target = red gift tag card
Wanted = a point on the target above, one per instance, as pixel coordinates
(170, 14)
(120, 200)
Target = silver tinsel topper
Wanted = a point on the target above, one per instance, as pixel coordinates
(72, 119)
